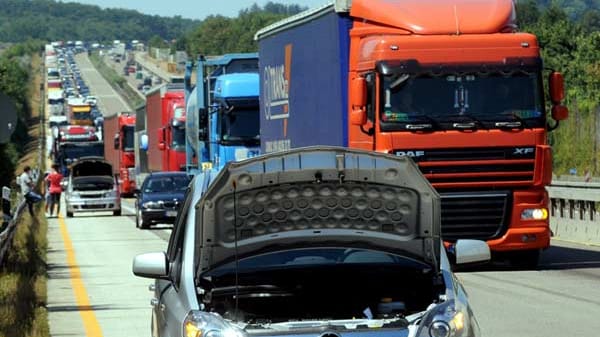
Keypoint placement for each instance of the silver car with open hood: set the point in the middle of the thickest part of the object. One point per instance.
(92, 187)
(310, 242)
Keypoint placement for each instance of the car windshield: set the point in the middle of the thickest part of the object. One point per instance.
(165, 184)
(445, 100)
(241, 125)
(128, 138)
(315, 257)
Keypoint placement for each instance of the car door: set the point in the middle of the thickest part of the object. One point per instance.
(169, 308)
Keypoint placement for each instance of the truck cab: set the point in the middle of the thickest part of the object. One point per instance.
(223, 109)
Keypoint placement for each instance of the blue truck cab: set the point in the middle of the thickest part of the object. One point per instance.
(223, 122)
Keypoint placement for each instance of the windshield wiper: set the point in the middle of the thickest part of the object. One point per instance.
(517, 122)
(474, 121)
(433, 123)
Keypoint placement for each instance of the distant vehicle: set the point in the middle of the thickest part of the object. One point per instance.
(92, 187)
(159, 198)
(91, 100)
(297, 244)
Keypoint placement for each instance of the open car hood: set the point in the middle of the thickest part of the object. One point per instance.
(91, 166)
(318, 197)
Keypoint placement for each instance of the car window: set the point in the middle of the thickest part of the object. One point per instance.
(175, 248)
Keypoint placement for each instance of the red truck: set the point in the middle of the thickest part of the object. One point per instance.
(451, 83)
(118, 149)
(165, 127)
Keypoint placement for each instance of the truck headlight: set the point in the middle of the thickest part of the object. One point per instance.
(204, 324)
(534, 214)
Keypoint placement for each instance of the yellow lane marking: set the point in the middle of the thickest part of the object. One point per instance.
(90, 322)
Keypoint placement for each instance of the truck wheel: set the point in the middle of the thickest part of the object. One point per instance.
(117, 212)
(527, 259)
(69, 214)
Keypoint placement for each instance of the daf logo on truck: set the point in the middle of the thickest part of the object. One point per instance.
(410, 153)
(277, 88)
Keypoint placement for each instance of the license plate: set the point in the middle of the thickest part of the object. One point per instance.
(172, 213)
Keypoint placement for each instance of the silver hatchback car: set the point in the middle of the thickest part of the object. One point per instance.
(312, 242)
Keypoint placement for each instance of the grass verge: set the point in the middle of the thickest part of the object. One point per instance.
(117, 82)
(23, 277)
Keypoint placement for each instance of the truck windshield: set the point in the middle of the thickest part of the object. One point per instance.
(75, 151)
(240, 125)
(128, 138)
(178, 141)
(82, 116)
(486, 100)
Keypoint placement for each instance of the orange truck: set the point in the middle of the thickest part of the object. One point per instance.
(451, 83)
(79, 112)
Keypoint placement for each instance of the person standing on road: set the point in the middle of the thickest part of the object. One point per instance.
(54, 179)
(27, 189)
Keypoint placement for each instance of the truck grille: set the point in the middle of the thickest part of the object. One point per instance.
(476, 167)
(475, 215)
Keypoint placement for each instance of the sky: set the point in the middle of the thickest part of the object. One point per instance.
(197, 10)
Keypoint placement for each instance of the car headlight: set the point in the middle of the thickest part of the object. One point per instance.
(205, 324)
(152, 205)
(444, 320)
(110, 194)
(534, 214)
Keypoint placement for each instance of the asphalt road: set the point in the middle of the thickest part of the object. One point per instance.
(561, 298)
(109, 101)
(93, 293)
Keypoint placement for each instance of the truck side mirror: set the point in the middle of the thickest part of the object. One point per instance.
(557, 87)
(117, 142)
(161, 139)
(358, 100)
(560, 112)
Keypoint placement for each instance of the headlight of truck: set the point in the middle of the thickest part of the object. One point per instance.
(445, 321)
(110, 194)
(534, 214)
(204, 324)
(152, 205)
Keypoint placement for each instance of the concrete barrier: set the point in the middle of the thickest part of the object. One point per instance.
(573, 214)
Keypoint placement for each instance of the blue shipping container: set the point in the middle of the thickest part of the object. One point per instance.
(304, 82)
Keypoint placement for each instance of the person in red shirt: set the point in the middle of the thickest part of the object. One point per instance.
(54, 178)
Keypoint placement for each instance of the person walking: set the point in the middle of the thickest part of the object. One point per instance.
(27, 189)
(54, 179)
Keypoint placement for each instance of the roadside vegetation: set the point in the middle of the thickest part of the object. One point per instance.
(569, 34)
(118, 82)
(56, 20)
(23, 274)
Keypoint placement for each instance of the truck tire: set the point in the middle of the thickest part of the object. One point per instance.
(69, 214)
(525, 260)
(117, 212)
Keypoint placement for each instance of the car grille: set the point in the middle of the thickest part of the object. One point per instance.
(91, 196)
(475, 215)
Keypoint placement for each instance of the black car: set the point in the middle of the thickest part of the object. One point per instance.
(159, 197)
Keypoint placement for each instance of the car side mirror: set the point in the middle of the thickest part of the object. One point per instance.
(151, 265)
(470, 251)
(358, 100)
(137, 192)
